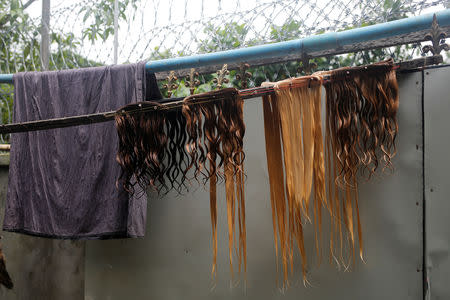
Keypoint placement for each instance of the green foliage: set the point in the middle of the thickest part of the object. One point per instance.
(99, 18)
(20, 50)
(20, 43)
(6, 102)
(230, 36)
(288, 31)
(16, 33)
(158, 54)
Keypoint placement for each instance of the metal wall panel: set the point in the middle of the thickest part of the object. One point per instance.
(173, 261)
(437, 187)
(41, 269)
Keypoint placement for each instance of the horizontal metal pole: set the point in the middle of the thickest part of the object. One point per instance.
(172, 103)
(316, 43)
(313, 44)
(168, 103)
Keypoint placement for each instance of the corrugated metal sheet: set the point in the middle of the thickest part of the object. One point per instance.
(437, 183)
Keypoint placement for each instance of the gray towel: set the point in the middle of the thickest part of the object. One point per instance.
(62, 182)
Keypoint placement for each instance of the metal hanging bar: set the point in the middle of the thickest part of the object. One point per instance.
(314, 46)
(171, 103)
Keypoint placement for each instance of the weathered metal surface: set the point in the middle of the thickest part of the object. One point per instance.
(437, 187)
(221, 77)
(171, 84)
(243, 75)
(173, 261)
(414, 64)
(41, 269)
(306, 66)
(437, 37)
(191, 81)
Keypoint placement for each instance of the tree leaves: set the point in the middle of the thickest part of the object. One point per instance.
(99, 18)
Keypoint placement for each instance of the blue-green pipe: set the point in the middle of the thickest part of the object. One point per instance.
(321, 42)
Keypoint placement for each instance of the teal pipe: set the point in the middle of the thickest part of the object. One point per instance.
(321, 42)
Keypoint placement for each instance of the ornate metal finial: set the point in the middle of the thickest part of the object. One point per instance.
(437, 37)
(221, 79)
(243, 75)
(171, 83)
(191, 81)
(306, 67)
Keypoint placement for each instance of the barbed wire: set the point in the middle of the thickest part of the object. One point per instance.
(81, 36)
(152, 29)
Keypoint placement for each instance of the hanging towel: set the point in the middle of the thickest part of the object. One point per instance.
(63, 182)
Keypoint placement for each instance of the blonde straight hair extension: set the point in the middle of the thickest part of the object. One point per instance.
(293, 119)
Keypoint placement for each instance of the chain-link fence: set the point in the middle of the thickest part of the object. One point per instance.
(81, 33)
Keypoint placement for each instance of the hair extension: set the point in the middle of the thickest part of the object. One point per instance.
(363, 108)
(150, 147)
(216, 129)
(318, 168)
(276, 181)
(176, 154)
(292, 123)
(203, 141)
(361, 125)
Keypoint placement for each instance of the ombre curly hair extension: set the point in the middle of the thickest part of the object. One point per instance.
(216, 129)
(361, 128)
(151, 151)
(362, 103)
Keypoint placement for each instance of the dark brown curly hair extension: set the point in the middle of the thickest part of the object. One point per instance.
(151, 147)
(160, 146)
(216, 129)
(362, 104)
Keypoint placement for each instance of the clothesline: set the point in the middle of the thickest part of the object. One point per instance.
(171, 103)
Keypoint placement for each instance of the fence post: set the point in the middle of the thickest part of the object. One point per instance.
(116, 30)
(45, 37)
